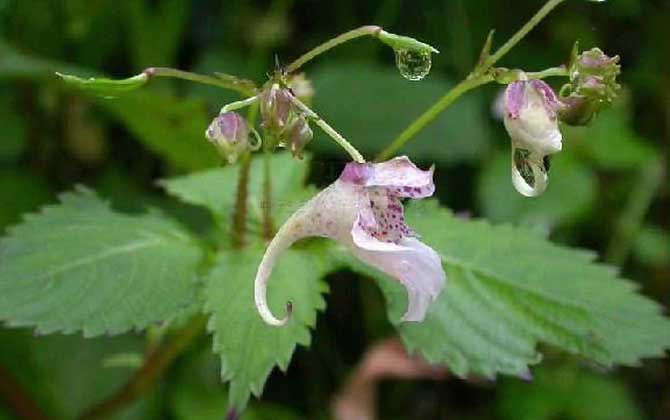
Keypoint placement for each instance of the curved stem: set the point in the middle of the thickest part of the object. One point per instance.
(245, 87)
(238, 104)
(521, 33)
(371, 30)
(353, 152)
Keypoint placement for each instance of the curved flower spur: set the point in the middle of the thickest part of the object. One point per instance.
(363, 211)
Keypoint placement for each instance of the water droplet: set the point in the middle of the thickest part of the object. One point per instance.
(529, 172)
(413, 65)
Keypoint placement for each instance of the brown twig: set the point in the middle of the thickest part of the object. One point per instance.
(240, 212)
(17, 400)
(154, 365)
(266, 205)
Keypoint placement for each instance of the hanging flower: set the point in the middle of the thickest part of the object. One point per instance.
(531, 110)
(363, 211)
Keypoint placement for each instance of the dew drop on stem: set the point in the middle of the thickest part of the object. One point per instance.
(413, 65)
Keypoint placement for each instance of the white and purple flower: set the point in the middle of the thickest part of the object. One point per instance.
(531, 119)
(363, 211)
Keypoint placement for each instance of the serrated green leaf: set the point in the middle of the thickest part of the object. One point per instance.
(215, 189)
(79, 266)
(509, 289)
(248, 347)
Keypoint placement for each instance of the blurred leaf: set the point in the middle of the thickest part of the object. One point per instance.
(12, 136)
(566, 392)
(156, 30)
(108, 88)
(370, 106)
(248, 347)
(568, 177)
(508, 290)
(79, 266)
(215, 189)
(610, 141)
(21, 192)
(14, 65)
(652, 246)
(169, 126)
(63, 373)
(197, 402)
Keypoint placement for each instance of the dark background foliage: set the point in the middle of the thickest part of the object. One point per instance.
(608, 192)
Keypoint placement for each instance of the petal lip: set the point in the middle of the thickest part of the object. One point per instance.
(356, 173)
(404, 177)
(416, 266)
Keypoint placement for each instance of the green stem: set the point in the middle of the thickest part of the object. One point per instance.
(520, 34)
(628, 225)
(153, 367)
(244, 87)
(430, 114)
(238, 104)
(368, 30)
(477, 78)
(559, 71)
(353, 152)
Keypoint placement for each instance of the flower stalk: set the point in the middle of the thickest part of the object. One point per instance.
(348, 147)
(480, 76)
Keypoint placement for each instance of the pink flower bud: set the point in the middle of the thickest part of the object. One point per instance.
(229, 133)
(276, 108)
(298, 134)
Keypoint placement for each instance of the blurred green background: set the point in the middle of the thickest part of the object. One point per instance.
(608, 191)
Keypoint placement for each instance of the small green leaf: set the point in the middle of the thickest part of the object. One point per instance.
(486, 49)
(105, 87)
(79, 266)
(401, 42)
(508, 290)
(248, 347)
